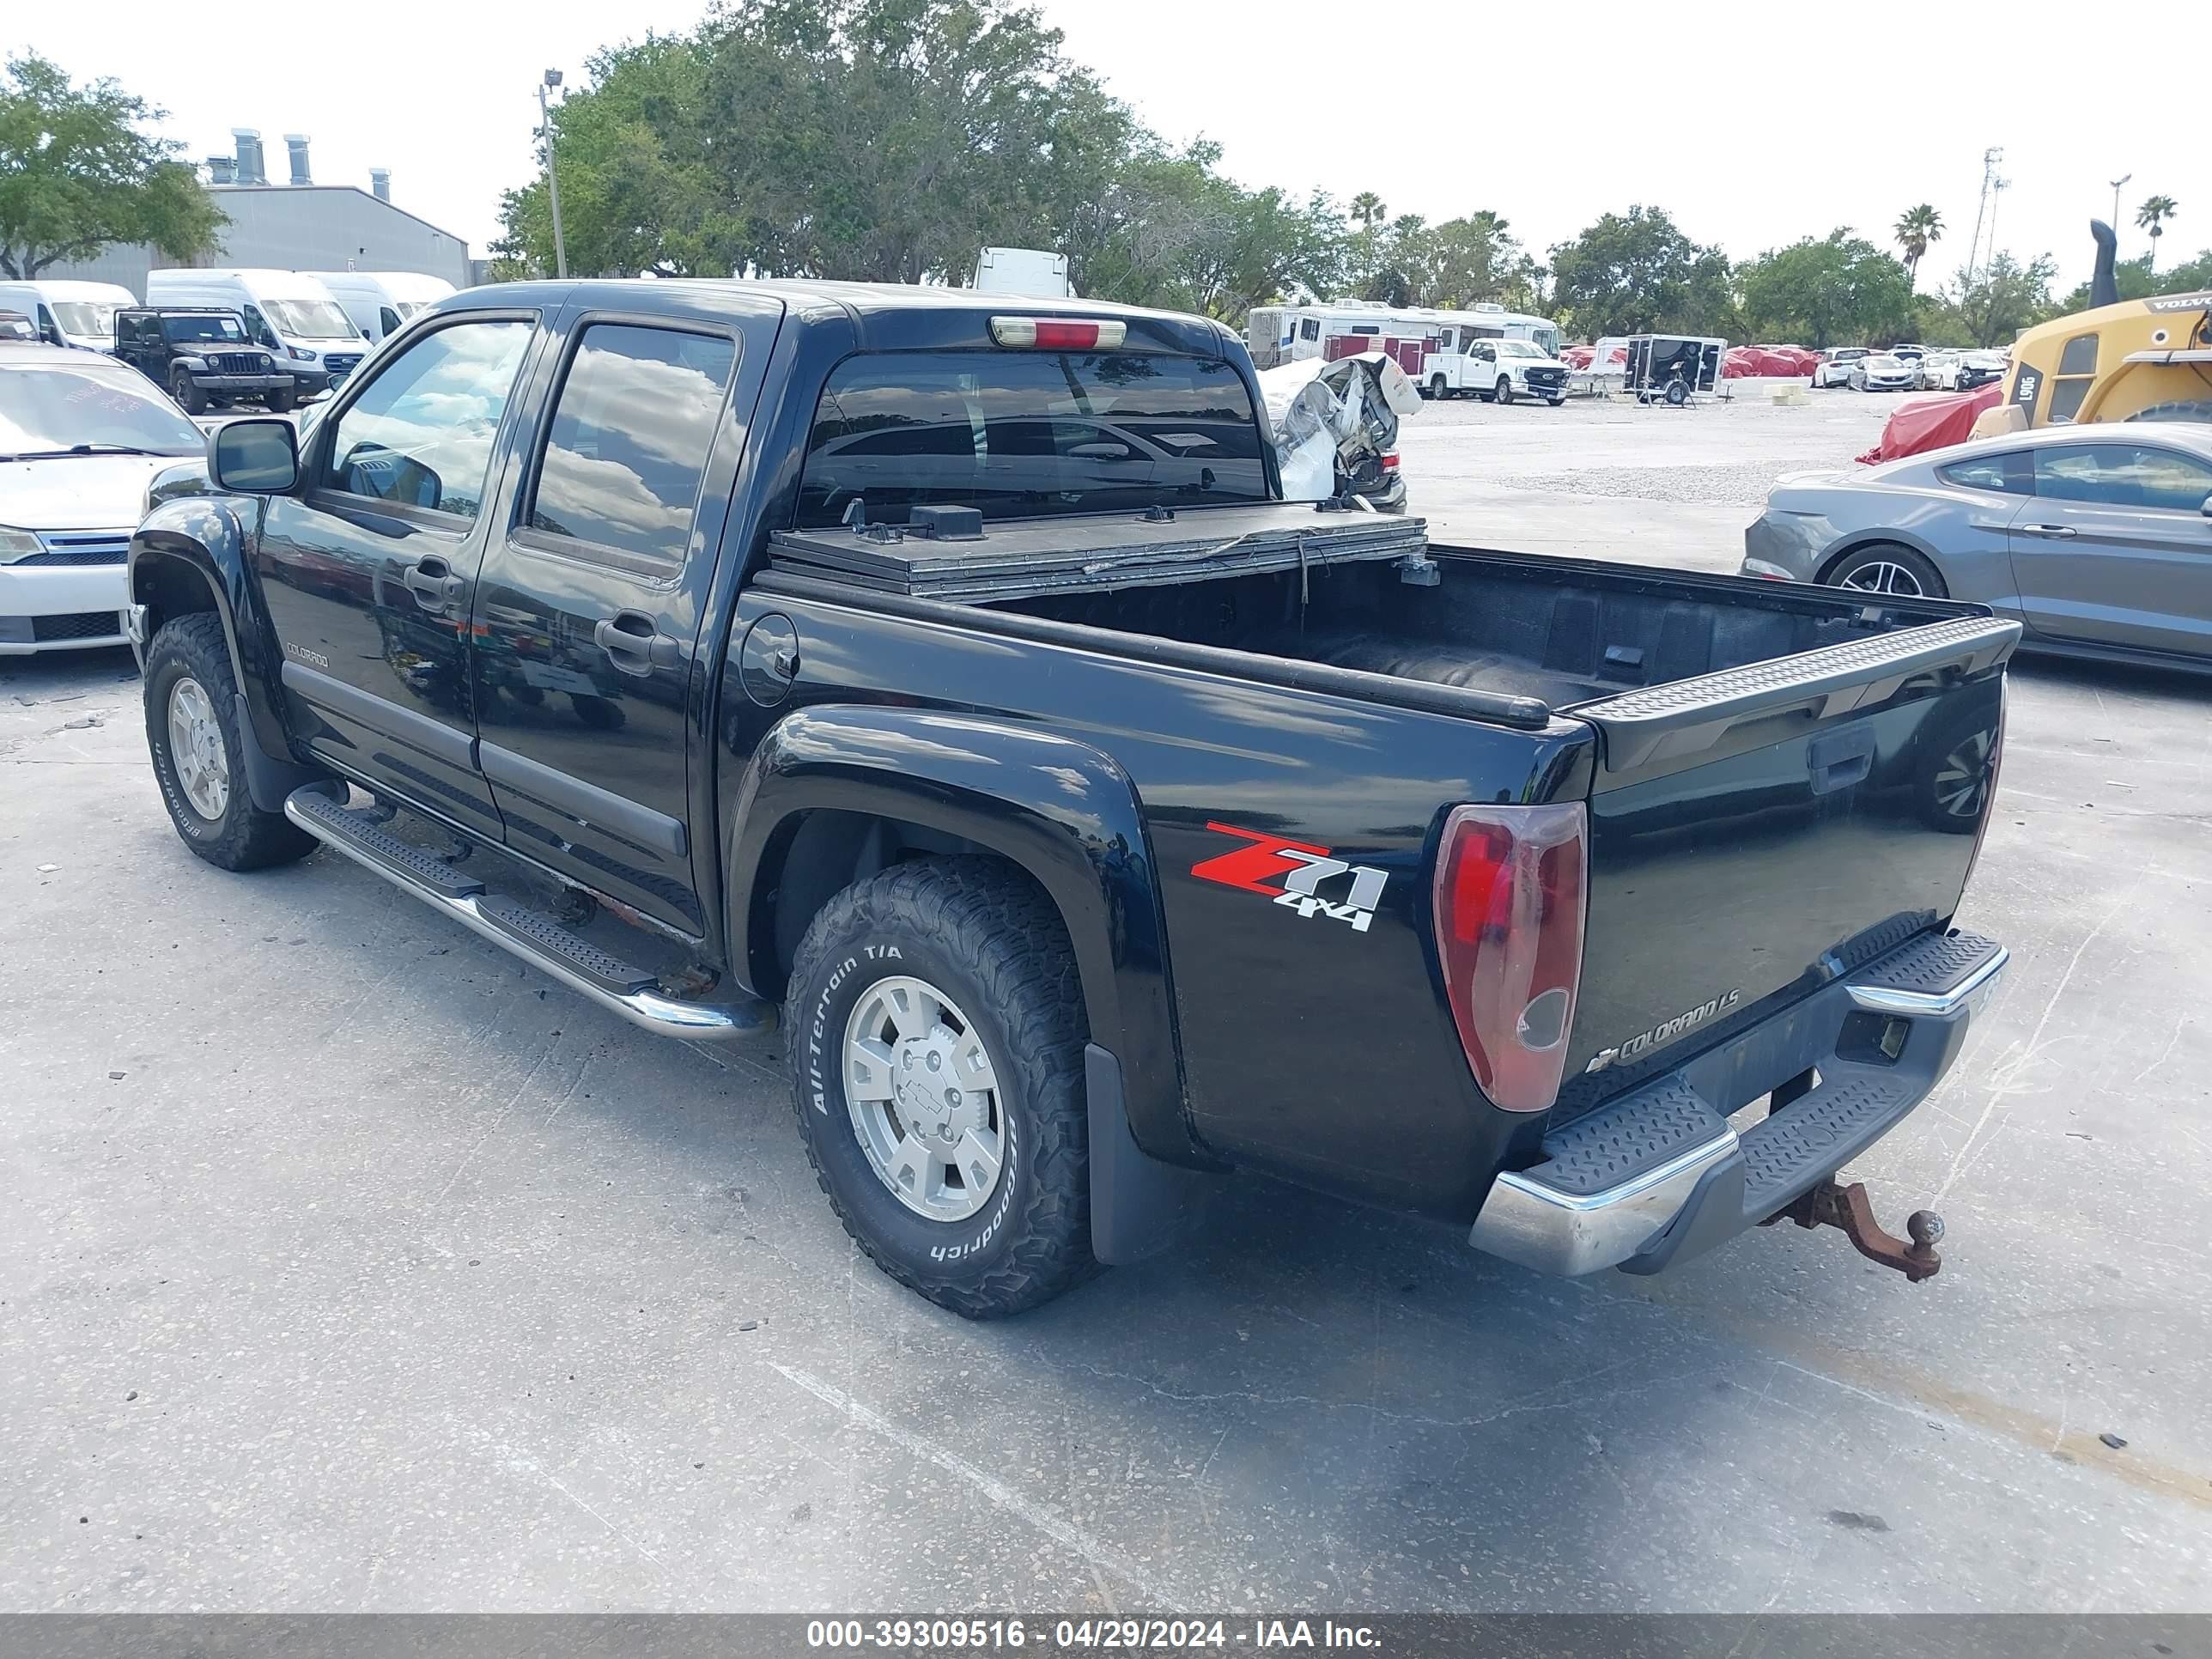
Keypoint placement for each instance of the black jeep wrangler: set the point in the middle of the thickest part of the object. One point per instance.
(201, 357)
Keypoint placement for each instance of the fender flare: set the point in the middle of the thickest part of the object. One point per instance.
(1063, 811)
(207, 534)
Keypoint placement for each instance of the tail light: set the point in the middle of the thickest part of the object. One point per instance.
(1390, 462)
(1509, 914)
(1058, 334)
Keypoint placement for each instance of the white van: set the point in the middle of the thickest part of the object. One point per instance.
(289, 311)
(378, 302)
(69, 313)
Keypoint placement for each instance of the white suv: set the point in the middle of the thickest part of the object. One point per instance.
(1835, 367)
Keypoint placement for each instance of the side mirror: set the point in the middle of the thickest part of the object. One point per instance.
(254, 457)
(2206, 508)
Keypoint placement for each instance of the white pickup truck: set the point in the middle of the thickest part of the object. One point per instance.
(1499, 370)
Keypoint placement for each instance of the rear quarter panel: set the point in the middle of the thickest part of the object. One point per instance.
(1311, 1045)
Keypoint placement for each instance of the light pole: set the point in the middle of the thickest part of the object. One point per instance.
(2117, 183)
(552, 178)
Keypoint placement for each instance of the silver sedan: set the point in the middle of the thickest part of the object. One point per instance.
(2098, 538)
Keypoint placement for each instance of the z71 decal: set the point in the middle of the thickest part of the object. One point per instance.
(1302, 870)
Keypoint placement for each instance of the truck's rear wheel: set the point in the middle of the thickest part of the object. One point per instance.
(192, 727)
(1438, 389)
(936, 1028)
(2188, 410)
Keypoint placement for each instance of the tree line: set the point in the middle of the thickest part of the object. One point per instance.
(892, 140)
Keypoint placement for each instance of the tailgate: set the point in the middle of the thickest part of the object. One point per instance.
(1756, 832)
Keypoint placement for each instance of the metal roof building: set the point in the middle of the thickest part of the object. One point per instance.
(297, 226)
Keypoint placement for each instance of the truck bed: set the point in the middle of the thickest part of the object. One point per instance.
(1562, 632)
(1764, 809)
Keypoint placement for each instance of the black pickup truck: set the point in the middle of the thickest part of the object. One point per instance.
(937, 678)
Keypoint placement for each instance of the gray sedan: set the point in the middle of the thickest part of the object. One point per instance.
(2098, 538)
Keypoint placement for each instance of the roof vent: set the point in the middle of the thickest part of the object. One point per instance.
(379, 183)
(223, 169)
(296, 142)
(248, 144)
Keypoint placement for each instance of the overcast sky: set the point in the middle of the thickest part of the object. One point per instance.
(1753, 126)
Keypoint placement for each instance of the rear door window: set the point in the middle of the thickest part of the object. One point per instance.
(1029, 434)
(632, 426)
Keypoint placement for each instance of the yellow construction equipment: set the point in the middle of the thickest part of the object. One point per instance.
(2121, 360)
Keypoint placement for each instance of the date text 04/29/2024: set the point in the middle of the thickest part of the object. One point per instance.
(954, 1634)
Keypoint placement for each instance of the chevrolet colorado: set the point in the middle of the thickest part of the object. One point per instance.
(940, 680)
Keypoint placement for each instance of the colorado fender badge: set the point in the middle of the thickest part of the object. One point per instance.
(1290, 873)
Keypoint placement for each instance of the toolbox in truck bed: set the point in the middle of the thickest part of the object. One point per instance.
(1025, 558)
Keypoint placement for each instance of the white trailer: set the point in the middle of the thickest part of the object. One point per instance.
(1408, 334)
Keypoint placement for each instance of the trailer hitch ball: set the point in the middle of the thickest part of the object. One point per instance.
(1847, 1209)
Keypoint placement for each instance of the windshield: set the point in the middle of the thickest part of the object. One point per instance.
(46, 409)
(407, 308)
(1519, 348)
(221, 326)
(1028, 433)
(85, 317)
(310, 319)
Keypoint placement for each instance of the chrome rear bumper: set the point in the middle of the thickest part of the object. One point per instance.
(1660, 1175)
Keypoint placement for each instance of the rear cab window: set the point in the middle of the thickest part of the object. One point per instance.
(1029, 435)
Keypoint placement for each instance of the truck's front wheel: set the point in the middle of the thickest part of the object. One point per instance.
(936, 1028)
(192, 729)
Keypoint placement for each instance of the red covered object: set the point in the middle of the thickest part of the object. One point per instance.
(1577, 356)
(1766, 362)
(1921, 424)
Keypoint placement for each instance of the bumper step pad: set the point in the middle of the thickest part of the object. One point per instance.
(1660, 1175)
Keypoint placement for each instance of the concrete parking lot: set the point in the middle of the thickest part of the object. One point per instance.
(348, 1264)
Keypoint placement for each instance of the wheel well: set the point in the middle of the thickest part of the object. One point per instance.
(168, 588)
(815, 856)
(1834, 561)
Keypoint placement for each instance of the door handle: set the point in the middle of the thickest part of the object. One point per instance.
(636, 645)
(2058, 532)
(433, 583)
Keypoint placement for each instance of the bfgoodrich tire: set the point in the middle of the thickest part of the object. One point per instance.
(982, 1205)
(199, 754)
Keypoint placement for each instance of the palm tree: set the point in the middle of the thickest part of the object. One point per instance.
(1917, 228)
(1367, 207)
(2152, 216)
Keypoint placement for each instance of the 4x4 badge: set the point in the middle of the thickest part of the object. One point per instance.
(1302, 869)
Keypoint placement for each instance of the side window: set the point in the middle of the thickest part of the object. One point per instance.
(421, 434)
(387, 321)
(1308, 329)
(2123, 475)
(632, 426)
(2080, 357)
(2077, 373)
(257, 327)
(2009, 473)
